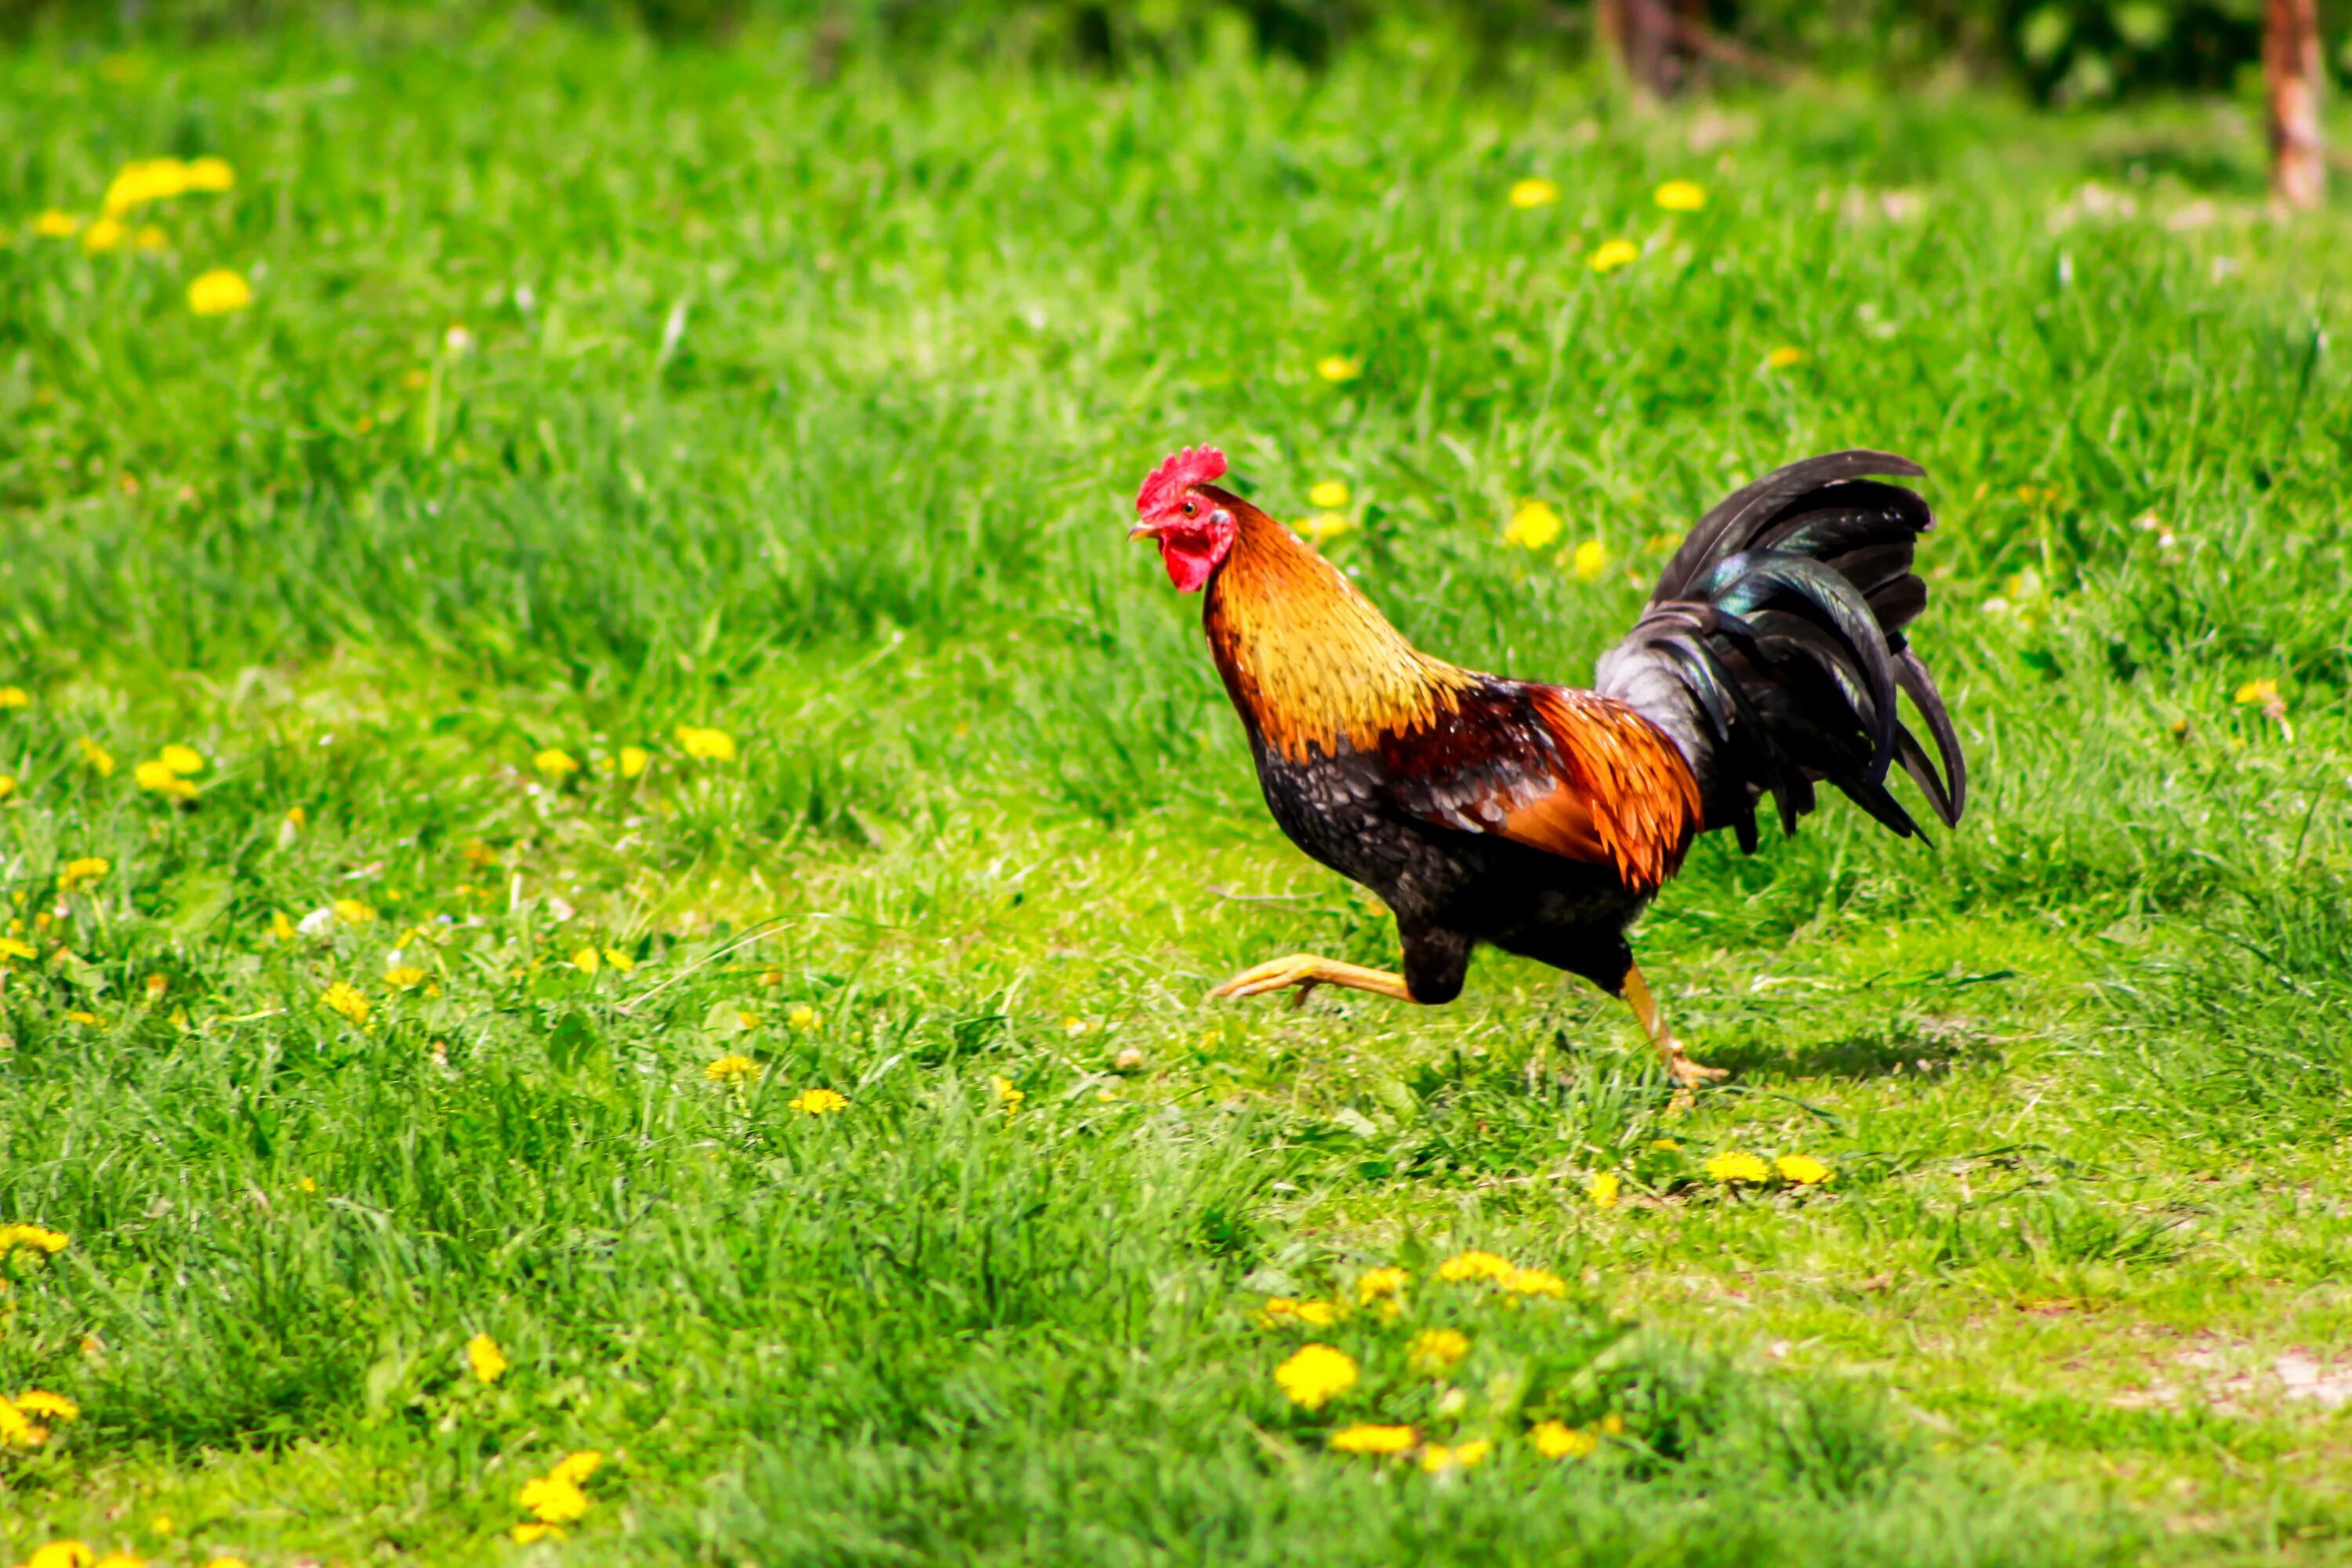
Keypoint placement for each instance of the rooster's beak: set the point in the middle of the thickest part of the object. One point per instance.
(1144, 530)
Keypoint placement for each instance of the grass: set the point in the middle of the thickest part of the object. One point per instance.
(812, 413)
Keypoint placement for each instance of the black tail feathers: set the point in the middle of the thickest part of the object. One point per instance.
(1773, 649)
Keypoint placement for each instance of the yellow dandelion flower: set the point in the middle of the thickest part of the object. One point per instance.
(1784, 357)
(1533, 526)
(1380, 1284)
(352, 912)
(1591, 559)
(707, 745)
(1330, 495)
(635, 760)
(86, 1019)
(1679, 196)
(107, 234)
(1475, 1266)
(1339, 368)
(220, 292)
(1317, 1314)
(11, 948)
(1009, 1094)
(227, 1563)
(525, 1534)
(552, 1500)
(2258, 693)
(307, 1184)
(61, 1554)
(587, 961)
(555, 763)
(1437, 1458)
(485, 1360)
(1316, 1374)
(210, 173)
(1735, 1165)
(35, 1238)
(156, 985)
(731, 1068)
(745, 1016)
(1534, 1282)
(1326, 525)
(818, 1101)
(345, 999)
(575, 1469)
(7, 785)
(804, 1018)
(16, 1428)
(181, 759)
(157, 777)
(1802, 1169)
(1372, 1439)
(403, 977)
(41, 1402)
(15, 696)
(161, 1524)
(151, 237)
(1665, 1143)
(82, 872)
(1556, 1441)
(281, 926)
(100, 760)
(1602, 1190)
(1436, 1351)
(145, 180)
(1610, 255)
(55, 225)
(619, 960)
(1534, 192)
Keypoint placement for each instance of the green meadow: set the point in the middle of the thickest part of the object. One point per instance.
(642, 576)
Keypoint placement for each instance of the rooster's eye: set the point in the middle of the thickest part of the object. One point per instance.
(1190, 508)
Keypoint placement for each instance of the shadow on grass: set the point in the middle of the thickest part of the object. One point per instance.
(1854, 1057)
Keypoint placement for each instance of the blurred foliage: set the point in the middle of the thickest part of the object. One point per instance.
(2062, 51)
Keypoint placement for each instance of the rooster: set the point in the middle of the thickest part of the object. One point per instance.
(1542, 819)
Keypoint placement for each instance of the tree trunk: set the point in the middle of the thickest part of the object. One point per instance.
(2290, 71)
(1645, 38)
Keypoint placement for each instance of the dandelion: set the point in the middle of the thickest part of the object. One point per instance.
(1665, 1143)
(145, 180)
(555, 763)
(732, 1067)
(1534, 192)
(1610, 255)
(1316, 1374)
(818, 1101)
(1737, 1166)
(55, 1406)
(55, 225)
(1679, 196)
(707, 745)
(1007, 1093)
(1437, 1458)
(210, 173)
(1591, 559)
(1339, 368)
(352, 913)
(181, 759)
(485, 1360)
(82, 872)
(156, 777)
(2257, 694)
(107, 234)
(1436, 1351)
(1372, 1439)
(577, 1467)
(344, 999)
(1533, 526)
(88, 1020)
(17, 1429)
(1380, 1285)
(1316, 1314)
(11, 948)
(1556, 1441)
(156, 985)
(1602, 1190)
(33, 1237)
(804, 1018)
(553, 1500)
(151, 237)
(1330, 495)
(227, 1563)
(403, 977)
(100, 760)
(1475, 1266)
(280, 928)
(525, 1534)
(619, 960)
(1784, 357)
(1326, 525)
(220, 292)
(1534, 1282)
(61, 1554)
(1802, 1169)
(15, 696)
(633, 761)
(587, 961)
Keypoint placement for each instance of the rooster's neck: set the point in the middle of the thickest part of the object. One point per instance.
(1312, 666)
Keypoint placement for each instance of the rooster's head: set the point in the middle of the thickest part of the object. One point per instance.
(1186, 516)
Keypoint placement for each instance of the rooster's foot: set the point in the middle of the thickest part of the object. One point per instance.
(1306, 972)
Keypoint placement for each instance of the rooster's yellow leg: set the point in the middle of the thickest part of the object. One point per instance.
(1680, 1068)
(1306, 972)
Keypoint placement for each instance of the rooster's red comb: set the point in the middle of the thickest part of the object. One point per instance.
(1192, 466)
